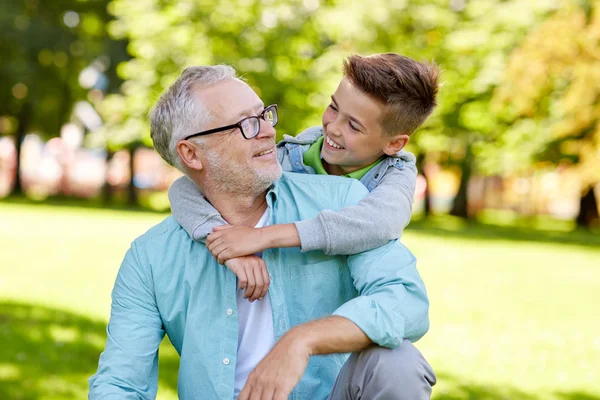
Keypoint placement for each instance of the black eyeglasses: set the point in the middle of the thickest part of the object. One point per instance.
(249, 126)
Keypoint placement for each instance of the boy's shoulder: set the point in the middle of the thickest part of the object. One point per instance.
(307, 136)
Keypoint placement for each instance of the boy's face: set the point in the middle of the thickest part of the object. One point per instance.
(353, 135)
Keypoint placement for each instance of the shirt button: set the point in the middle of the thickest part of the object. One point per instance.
(226, 361)
(229, 311)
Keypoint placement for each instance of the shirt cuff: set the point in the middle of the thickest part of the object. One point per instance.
(203, 229)
(373, 321)
(312, 235)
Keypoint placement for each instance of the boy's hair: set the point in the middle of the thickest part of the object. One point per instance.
(406, 87)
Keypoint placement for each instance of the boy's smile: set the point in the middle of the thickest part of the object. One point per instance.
(332, 144)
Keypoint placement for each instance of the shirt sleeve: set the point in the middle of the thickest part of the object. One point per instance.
(128, 367)
(392, 302)
(191, 209)
(375, 220)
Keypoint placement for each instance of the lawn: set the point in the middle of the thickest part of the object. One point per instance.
(514, 312)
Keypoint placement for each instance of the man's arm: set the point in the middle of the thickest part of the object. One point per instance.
(392, 305)
(128, 367)
(278, 373)
(392, 302)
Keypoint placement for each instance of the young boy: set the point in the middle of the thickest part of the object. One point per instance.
(381, 100)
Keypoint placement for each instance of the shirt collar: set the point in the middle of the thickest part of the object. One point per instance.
(272, 193)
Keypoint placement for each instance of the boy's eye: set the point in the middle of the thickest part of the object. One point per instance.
(332, 107)
(354, 128)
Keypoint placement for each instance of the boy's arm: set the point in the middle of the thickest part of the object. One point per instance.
(374, 221)
(378, 218)
(191, 210)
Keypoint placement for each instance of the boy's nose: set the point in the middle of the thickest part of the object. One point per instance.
(334, 128)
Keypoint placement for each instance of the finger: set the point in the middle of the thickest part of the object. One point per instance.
(242, 279)
(210, 238)
(217, 250)
(251, 282)
(258, 393)
(212, 242)
(222, 227)
(260, 283)
(245, 393)
(222, 257)
(262, 269)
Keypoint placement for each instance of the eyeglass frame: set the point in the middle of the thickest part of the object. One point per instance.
(239, 124)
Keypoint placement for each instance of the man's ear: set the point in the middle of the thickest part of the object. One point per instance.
(189, 154)
(395, 143)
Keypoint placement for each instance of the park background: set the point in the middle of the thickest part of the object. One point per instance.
(505, 226)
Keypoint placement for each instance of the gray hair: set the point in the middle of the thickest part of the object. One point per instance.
(179, 113)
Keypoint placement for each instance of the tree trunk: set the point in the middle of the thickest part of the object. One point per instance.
(460, 207)
(132, 198)
(23, 125)
(427, 200)
(107, 189)
(588, 210)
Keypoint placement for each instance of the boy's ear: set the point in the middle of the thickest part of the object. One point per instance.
(395, 143)
(189, 154)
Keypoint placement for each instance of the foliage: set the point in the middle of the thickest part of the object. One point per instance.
(549, 93)
(44, 46)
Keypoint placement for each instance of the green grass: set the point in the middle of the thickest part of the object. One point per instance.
(514, 311)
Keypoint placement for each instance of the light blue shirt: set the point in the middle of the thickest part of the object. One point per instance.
(170, 284)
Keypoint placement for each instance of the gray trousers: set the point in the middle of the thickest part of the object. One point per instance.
(377, 373)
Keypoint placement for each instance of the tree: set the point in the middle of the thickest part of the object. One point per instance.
(549, 90)
(290, 51)
(44, 47)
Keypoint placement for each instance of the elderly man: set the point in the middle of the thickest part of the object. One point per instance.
(295, 342)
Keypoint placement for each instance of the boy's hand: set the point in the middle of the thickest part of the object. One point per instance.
(252, 275)
(229, 241)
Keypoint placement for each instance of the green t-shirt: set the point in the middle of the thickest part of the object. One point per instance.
(312, 158)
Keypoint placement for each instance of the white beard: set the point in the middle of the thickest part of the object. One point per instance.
(228, 177)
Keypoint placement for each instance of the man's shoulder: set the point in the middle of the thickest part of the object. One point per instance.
(156, 235)
(326, 188)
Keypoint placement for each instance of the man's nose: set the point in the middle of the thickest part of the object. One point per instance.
(266, 129)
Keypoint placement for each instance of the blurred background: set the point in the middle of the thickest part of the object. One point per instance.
(505, 225)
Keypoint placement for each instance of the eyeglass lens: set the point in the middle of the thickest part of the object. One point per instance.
(251, 126)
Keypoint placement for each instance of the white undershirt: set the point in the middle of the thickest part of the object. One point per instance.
(255, 338)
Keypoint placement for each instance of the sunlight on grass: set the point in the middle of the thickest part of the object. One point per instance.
(513, 312)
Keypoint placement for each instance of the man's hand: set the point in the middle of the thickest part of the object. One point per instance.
(279, 372)
(252, 275)
(228, 241)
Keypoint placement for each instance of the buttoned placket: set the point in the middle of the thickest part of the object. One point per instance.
(229, 336)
